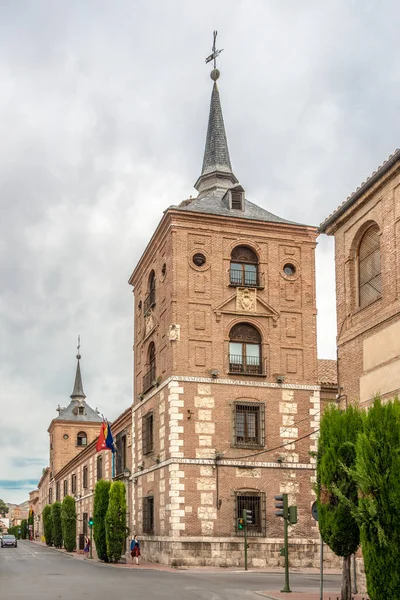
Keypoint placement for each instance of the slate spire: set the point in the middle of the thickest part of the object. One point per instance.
(217, 168)
(78, 393)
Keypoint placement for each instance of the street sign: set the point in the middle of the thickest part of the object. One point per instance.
(314, 511)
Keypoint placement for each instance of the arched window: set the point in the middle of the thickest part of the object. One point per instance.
(244, 349)
(150, 378)
(81, 439)
(244, 267)
(99, 467)
(369, 267)
(151, 294)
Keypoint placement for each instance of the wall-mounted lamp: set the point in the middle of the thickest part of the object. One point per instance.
(280, 379)
(126, 473)
(141, 466)
(135, 480)
(214, 373)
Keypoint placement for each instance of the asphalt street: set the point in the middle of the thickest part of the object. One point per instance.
(33, 572)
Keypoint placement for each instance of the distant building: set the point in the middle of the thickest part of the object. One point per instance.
(366, 229)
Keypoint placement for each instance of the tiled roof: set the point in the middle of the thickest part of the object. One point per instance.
(212, 204)
(327, 371)
(375, 176)
(216, 154)
(71, 413)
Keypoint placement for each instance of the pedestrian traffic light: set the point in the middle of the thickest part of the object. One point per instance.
(281, 504)
(249, 517)
(90, 522)
(240, 524)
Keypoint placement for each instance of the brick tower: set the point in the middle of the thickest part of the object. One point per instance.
(226, 401)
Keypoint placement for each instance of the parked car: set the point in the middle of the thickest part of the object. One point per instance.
(8, 540)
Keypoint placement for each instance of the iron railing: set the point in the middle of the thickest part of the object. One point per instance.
(149, 301)
(149, 379)
(250, 365)
(240, 278)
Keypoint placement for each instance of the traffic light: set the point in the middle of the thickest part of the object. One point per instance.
(240, 524)
(281, 504)
(90, 522)
(293, 515)
(249, 517)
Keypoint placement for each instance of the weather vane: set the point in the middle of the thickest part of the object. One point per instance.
(215, 52)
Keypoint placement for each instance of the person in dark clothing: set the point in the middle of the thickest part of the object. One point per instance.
(135, 549)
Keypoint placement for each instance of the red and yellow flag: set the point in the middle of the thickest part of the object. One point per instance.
(101, 442)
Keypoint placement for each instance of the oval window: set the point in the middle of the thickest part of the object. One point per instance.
(199, 259)
(289, 269)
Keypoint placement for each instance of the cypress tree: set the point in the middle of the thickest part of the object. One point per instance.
(47, 525)
(56, 524)
(337, 494)
(24, 528)
(116, 521)
(378, 472)
(68, 520)
(100, 505)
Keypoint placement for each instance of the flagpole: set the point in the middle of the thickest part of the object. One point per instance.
(113, 465)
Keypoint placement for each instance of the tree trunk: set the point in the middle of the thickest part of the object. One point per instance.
(346, 579)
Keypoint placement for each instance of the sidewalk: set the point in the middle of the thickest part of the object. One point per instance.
(307, 596)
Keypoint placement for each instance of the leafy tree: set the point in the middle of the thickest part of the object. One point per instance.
(24, 529)
(3, 508)
(377, 472)
(31, 522)
(100, 505)
(57, 524)
(116, 521)
(47, 525)
(336, 489)
(13, 531)
(68, 520)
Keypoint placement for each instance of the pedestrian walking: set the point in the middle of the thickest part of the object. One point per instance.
(135, 549)
(87, 546)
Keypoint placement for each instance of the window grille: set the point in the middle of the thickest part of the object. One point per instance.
(245, 350)
(150, 300)
(149, 378)
(148, 514)
(99, 466)
(254, 501)
(81, 439)
(58, 491)
(120, 462)
(85, 477)
(84, 523)
(369, 267)
(65, 487)
(148, 433)
(249, 424)
(244, 267)
(73, 483)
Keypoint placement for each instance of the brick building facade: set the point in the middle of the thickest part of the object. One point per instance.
(367, 258)
(226, 393)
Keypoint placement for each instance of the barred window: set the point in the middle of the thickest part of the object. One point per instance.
(148, 514)
(99, 466)
(369, 267)
(65, 487)
(85, 477)
(57, 491)
(249, 424)
(81, 439)
(148, 433)
(73, 483)
(254, 502)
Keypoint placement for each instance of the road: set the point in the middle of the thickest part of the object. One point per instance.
(33, 572)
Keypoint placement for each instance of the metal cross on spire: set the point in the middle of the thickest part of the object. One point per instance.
(78, 347)
(215, 52)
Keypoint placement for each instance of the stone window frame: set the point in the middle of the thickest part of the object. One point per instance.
(85, 477)
(99, 467)
(255, 501)
(148, 513)
(148, 433)
(252, 407)
(73, 483)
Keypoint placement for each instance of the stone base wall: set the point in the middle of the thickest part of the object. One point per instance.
(229, 552)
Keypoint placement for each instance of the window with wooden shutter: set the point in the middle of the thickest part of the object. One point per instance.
(369, 267)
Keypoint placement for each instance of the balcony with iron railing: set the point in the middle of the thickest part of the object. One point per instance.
(149, 301)
(245, 365)
(240, 278)
(149, 379)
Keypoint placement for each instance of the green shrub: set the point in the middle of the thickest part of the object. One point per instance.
(68, 520)
(100, 505)
(24, 529)
(116, 521)
(57, 524)
(47, 525)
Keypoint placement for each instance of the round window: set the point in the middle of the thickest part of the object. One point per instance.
(65, 436)
(289, 270)
(199, 259)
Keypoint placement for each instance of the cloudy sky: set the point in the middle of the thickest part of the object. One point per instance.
(103, 115)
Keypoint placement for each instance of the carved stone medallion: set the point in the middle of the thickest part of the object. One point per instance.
(246, 300)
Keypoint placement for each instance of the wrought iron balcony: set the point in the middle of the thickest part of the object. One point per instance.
(240, 278)
(149, 379)
(149, 301)
(248, 365)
